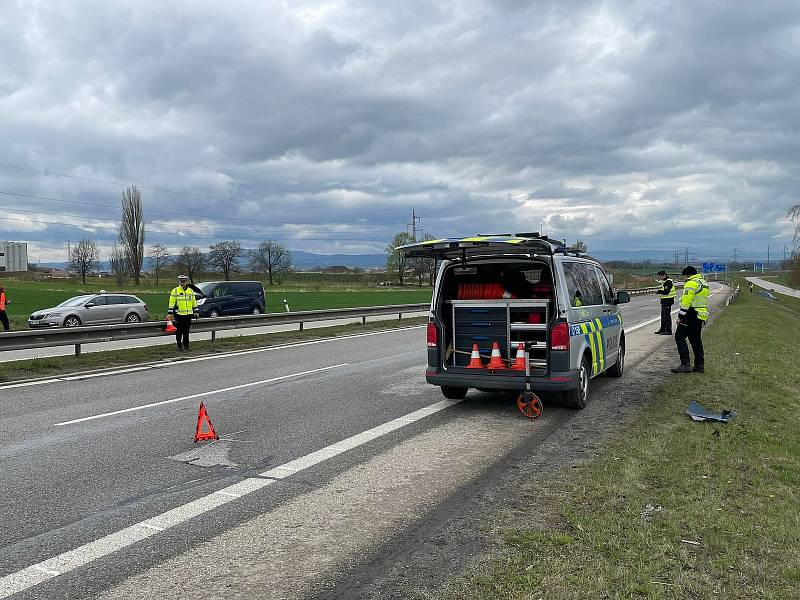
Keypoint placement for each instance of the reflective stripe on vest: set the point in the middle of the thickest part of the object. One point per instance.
(695, 295)
(182, 302)
(673, 291)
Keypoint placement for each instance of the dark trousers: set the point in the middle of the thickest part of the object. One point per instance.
(692, 328)
(182, 323)
(666, 317)
(4, 320)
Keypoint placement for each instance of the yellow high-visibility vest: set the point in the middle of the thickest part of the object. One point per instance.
(695, 295)
(673, 291)
(182, 301)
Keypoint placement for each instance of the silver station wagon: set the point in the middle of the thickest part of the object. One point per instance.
(91, 309)
(496, 295)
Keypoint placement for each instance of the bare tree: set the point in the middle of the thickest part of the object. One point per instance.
(131, 230)
(120, 265)
(85, 258)
(270, 259)
(396, 263)
(794, 215)
(159, 256)
(190, 261)
(225, 256)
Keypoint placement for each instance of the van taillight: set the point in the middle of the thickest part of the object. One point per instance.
(559, 337)
(433, 336)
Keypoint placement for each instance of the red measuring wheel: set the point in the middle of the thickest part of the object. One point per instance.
(531, 407)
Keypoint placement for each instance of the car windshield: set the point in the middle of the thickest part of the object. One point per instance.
(76, 301)
(206, 288)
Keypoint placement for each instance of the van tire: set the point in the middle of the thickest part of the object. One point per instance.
(213, 313)
(579, 397)
(256, 310)
(618, 368)
(454, 393)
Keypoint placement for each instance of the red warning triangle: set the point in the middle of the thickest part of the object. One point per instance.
(200, 435)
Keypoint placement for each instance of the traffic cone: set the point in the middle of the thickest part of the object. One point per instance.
(170, 327)
(496, 361)
(519, 361)
(475, 360)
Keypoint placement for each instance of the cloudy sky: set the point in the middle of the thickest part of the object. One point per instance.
(633, 125)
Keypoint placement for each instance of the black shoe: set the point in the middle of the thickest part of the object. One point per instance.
(180, 348)
(666, 333)
(699, 369)
(683, 369)
(659, 332)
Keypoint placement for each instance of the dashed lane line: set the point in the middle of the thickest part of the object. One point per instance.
(200, 395)
(76, 558)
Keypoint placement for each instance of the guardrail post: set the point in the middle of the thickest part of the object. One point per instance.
(363, 320)
(301, 326)
(400, 316)
(77, 349)
(213, 335)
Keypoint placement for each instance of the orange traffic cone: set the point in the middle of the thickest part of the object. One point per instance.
(496, 361)
(475, 360)
(519, 362)
(170, 327)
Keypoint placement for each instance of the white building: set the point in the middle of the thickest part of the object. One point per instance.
(13, 256)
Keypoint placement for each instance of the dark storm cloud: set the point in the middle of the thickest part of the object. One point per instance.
(629, 124)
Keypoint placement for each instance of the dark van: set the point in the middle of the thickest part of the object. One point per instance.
(231, 298)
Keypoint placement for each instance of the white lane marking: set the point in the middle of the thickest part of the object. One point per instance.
(28, 383)
(200, 395)
(210, 357)
(69, 561)
(657, 319)
(90, 375)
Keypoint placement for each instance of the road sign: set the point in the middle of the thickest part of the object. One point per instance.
(709, 267)
(720, 268)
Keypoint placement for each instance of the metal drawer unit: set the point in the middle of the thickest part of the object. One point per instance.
(485, 321)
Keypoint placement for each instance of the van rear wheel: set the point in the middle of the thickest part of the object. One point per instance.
(454, 393)
(579, 397)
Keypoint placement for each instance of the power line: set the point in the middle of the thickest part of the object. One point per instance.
(183, 214)
(141, 187)
(192, 236)
(188, 225)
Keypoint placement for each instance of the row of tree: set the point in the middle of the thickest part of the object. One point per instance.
(397, 265)
(269, 260)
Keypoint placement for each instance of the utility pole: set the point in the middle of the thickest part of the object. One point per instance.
(413, 224)
(767, 256)
(687, 255)
(735, 252)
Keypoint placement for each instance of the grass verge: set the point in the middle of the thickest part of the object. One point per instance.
(675, 508)
(62, 365)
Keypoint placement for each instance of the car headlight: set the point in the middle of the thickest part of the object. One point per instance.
(201, 301)
(55, 314)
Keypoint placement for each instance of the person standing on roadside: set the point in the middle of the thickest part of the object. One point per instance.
(3, 302)
(692, 316)
(668, 292)
(182, 307)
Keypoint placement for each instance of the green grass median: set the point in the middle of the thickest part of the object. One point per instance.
(674, 508)
(61, 365)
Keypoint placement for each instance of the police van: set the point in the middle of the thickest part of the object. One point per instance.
(500, 294)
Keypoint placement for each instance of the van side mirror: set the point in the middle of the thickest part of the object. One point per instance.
(89, 305)
(622, 297)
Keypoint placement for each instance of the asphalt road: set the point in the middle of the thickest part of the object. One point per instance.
(327, 450)
(775, 287)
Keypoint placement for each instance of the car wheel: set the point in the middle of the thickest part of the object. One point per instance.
(579, 397)
(132, 318)
(454, 393)
(72, 321)
(618, 367)
(213, 313)
(256, 310)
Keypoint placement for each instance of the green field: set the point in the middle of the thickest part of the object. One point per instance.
(673, 508)
(29, 296)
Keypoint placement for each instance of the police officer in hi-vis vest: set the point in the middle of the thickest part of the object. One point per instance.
(182, 307)
(691, 318)
(667, 292)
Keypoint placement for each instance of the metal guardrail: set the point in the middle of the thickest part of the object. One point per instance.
(76, 336)
(93, 334)
(733, 296)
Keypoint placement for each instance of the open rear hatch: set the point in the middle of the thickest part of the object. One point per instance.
(486, 245)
